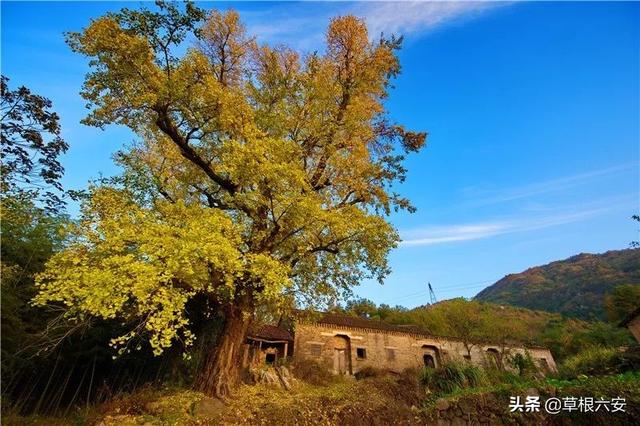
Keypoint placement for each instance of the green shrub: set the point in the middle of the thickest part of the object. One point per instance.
(452, 377)
(311, 372)
(499, 376)
(426, 376)
(523, 363)
(475, 375)
(625, 386)
(367, 372)
(595, 361)
(283, 362)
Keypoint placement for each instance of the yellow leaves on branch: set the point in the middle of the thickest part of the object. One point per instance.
(148, 262)
(129, 58)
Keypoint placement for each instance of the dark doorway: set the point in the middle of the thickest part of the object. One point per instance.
(429, 362)
(431, 356)
(270, 359)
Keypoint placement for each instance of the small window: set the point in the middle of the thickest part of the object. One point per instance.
(316, 349)
(391, 354)
(270, 359)
(361, 353)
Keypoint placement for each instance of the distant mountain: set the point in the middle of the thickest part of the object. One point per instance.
(574, 287)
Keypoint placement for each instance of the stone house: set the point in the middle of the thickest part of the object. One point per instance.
(266, 345)
(347, 344)
(632, 322)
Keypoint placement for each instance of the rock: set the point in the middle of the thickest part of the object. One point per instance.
(271, 378)
(442, 404)
(458, 421)
(267, 376)
(208, 407)
(285, 377)
(286, 383)
(532, 392)
(276, 377)
(466, 406)
(284, 371)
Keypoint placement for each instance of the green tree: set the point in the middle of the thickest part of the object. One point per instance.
(362, 307)
(261, 179)
(31, 145)
(623, 300)
(30, 236)
(30, 214)
(467, 321)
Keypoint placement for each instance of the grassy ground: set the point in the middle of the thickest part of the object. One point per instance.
(490, 402)
(378, 399)
(370, 401)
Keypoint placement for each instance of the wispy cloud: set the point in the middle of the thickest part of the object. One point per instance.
(304, 27)
(475, 231)
(415, 17)
(452, 233)
(486, 197)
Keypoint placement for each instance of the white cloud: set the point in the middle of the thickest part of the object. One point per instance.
(411, 17)
(475, 231)
(453, 233)
(303, 25)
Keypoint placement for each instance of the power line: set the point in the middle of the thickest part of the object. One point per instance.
(418, 294)
(423, 294)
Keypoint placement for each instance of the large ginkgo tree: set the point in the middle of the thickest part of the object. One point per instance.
(261, 179)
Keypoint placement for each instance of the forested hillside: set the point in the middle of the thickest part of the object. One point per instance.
(575, 287)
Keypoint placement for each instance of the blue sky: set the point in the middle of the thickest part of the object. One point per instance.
(532, 109)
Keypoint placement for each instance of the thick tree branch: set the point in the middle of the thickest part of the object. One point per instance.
(166, 125)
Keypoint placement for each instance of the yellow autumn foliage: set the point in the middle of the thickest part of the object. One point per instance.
(261, 177)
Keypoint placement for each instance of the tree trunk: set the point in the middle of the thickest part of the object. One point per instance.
(221, 371)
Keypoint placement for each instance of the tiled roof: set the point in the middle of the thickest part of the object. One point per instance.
(359, 322)
(270, 332)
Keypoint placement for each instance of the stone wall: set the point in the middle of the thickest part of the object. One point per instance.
(634, 327)
(484, 409)
(348, 350)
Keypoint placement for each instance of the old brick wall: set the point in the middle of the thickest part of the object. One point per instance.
(390, 350)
